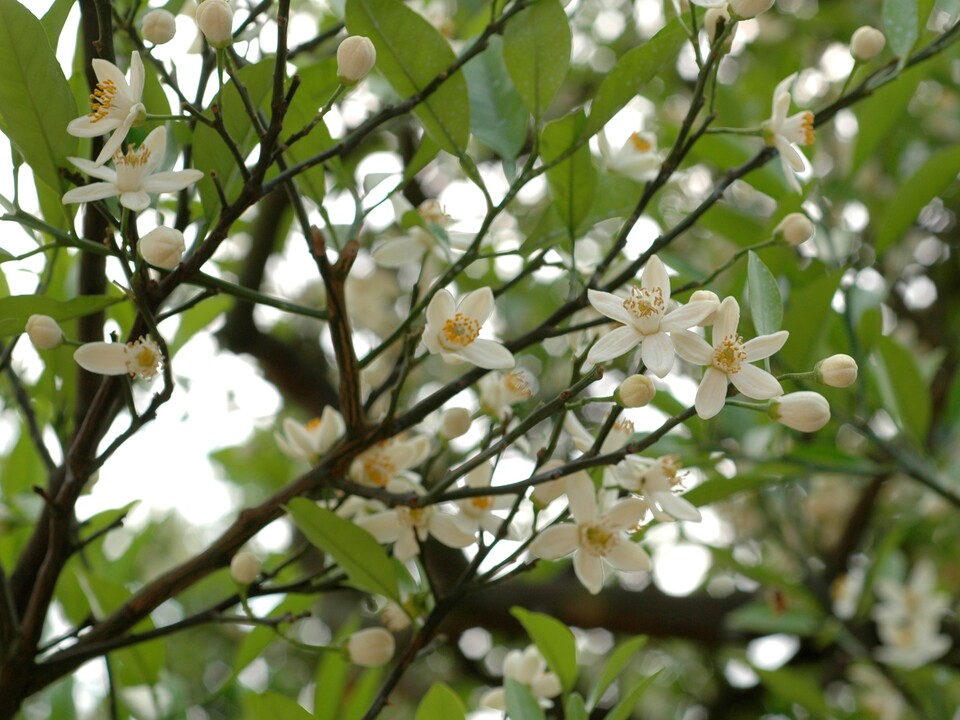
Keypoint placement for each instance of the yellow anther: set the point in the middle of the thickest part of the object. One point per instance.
(102, 99)
(517, 384)
(729, 355)
(596, 540)
(461, 330)
(644, 302)
(807, 125)
(641, 143)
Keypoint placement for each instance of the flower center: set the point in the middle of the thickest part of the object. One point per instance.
(483, 503)
(413, 517)
(597, 540)
(517, 384)
(641, 143)
(143, 358)
(729, 355)
(624, 427)
(130, 168)
(313, 424)
(379, 468)
(806, 126)
(101, 100)
(644, 302)
(461, 330)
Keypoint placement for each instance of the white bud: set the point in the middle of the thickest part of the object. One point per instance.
(837, 371)
(804, 411)
(371, 647)
(714, 21)
(795, 228)
(866, 43)
(706, 296)
(356, 57)
(636, 391)
(44, 332)
(394, 617)
(215, 20)
(455, 422)
(158, 26)
(750, 8)
(162, 246)
(244, 567)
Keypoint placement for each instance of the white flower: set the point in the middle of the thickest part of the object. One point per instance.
(162, 247)
(135, 176)
(529, 668)
(453, 330)
(136, 359)
(371, 647)
(635, 391)
(476, 513)
(215, 20)
(597, 536)
(394, 617)
(866, 43)
(356, 56)
(729, 361)
(784, 133)
(646, 320)
(795, 228)
(714, 21)
(655, 480)
(114, 105)
(804, 411)
(158, 26)
(388, 460)
(745, 9)
(500, 391)
(455, 422)
(620, 434)
(312, 441)
(410, 248)
(44, 332)
(244, 567)
(637, 158)
(407, 527)
(837, 371)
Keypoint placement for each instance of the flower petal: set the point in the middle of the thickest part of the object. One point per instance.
(445, 529)
(589, 570)
(711, 394)
(582, 498)
(687, 315)
(555, 542)
(756, 383)
(89, 193)
(728, 318)
(657, 353)
(135, 201)
(628, 557)
(791, 156)
(624, 514)
(609, 305)
(655, 277)
(677, 507)
(102, 358)
(84, 126)
(487, 354)
(406, 546)
(171, 180)
(116, 140)
(136, 76)
(477, 304)
(93, 170)
(441, 308)
(384, 526)
(691, 347)
(614, 344)
(106, 71)
(763, 346)
(397, 252)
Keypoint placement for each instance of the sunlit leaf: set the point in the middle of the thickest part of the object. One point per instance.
(271, 706)
(573, 181)
(536, 49)
(900, 25)
(497, 114)
(617, 661)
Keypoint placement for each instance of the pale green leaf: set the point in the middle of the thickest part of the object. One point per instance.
(356, 551)
(900, 25)
(796, 687)
(521, 704)
(497, 113)
(574, 708)
(536, 50)
(572, 182)
(766, 305)
(555, 642)
(623, 710)
(440, 703)
(906, 385)
(15, 310)
(271, 706)
(618, 660)
(410, 54)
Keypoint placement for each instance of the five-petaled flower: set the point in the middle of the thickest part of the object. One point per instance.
(655, 480)
(729, 360)
(784, 132)
(114, 105)
(637, 159)
(453, 330)
(312, 440)
(135, 177)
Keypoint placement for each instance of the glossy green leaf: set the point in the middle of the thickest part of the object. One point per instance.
(635, 69)
(271, 706)
(879, 115)
(808, 317)
(54, 18)
(333, 672)
(623, 710)
(356, 551)
(572, 182)
(361, 694)
(796, 687)
(260, 638)
(536, 50)
(900, 25)
(766, 305)
(426, 152)
(521, 704)
(617, 661)
(440, 703)
(555, 642)
(574, 708)
(35, 99)
(933, 177)
(497, 113)
(909, 390)
(16, 309)
(410, 54)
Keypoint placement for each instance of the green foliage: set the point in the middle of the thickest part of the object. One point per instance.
(271, 706)
(624, 709)
(497, 114)
(900, 25)
(797, 687)
(619, 659)
(15, 310)
(555, 642)
(573, 181)
(766, 305)
(440, 703)
(903, 388)
(521, 704)
(536, 50)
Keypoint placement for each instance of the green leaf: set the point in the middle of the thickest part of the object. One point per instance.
(796, 687)
(536, 50)
(910, 395)
(333, 672)
(497, 114)
(807, 318)
(900, 25)
(261, 637)
(355, 550)
(35, 100)
(615, 665)
(634, 70)
(441, 703)
(623, 710)
(521, 704)
(361, 694)
(574, 708)
(15, 310)
(410, 54)
(879, 115)
(54, 18)
(271, 706)
(766, 305)
(573, 182)
(555, 642)
(933, 177)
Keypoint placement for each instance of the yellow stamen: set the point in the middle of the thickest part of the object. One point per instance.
(517, 384)
(596, 540)
(641, 143)
(807, 125)
(102, 99)
(644, 302)
(482, 503)
(313, 424)
(132, 157)
(729, 355)
(461, 330)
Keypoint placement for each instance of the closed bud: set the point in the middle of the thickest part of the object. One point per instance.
(455, 422)
(710, 297)
(636, 391)
(44, 332)
(245, 566)
(837, 371)
(745, 9)
(158, 26)
(804, 411)
(162, 246)
(356, 57)
(215, 20)
(394, 617)
(715, 21)
(371, 647)
(794, 229)
(867, 42)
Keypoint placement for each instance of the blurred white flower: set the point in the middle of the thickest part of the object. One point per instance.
(244, 567)
(312, 440)
(141, 358)
(44, 332)
(528, 668)
(785, 133)
(636, 159)
(370, 647)
(500, 391)
(389, 460)
(476, 513)
(654, 480)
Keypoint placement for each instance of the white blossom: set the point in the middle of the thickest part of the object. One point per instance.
(837, 371)
(162, 247)
(312, 440)
(654, 480)
(476, 513)
(390, 459)
(370, 647)
(44, 332)
(158, 26)
(244, 567)
(141, 358)
(529, 668)
(636, 159)
(500, 391)
(356, 57)
(215, 20)
(804, 411)
(785, 133)
(866, 43)
(453, 330)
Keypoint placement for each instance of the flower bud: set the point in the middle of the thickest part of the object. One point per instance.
(215, 20)
(866, 43)
(371, 647)
(636, 391)
(394, 617)
(746, 9)
(244, 567)
(355, 58)
(455, 422)
(162, 246)
(158, 26)
(706, 296)
(44, 332)
(715, 21)
(804, 411)
(795, 228)
(837, 371)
